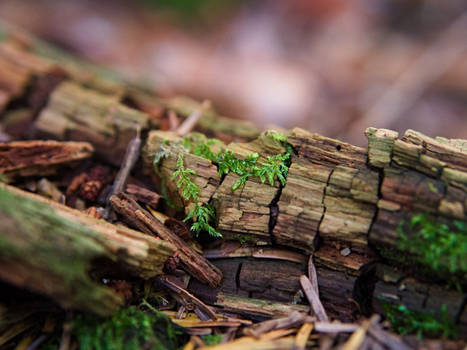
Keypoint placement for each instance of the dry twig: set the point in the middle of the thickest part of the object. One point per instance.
(190, 122)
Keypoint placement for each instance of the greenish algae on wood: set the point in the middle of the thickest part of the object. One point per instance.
(50, 249)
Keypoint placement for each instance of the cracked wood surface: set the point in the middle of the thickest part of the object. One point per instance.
(341, 203)
(340, 197)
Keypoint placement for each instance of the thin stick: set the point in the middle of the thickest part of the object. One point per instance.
(174, 122)
(312, 275)
(129, 161)
(335, 327)
(187, 296)
(66, 334)
(313, 298)
(193, 118)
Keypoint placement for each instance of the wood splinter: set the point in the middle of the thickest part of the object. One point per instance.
(129, 161)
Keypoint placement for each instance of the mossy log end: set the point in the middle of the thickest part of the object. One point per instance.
(52, 249)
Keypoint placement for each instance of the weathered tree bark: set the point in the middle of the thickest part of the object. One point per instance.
(51, 249)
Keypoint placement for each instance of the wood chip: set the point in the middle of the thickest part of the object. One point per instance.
(313, 298)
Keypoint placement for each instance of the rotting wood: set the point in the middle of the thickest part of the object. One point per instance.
(40, 158)
(20, 69)
(49, 248)
(190, 260)
(352, 198)
(256, 308)
(255, 277)
(207, 178)
(349, 196)
(235, 249)
(143, 195)
(78, 113)
(211, 123)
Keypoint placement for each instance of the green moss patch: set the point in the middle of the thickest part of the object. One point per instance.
(405, 321)
(128, 329)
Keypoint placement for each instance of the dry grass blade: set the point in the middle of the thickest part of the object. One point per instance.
(302, 336)
(313, 298)
(251, 343)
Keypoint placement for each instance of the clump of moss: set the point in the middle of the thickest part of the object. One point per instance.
(212, 339)
(405, 321)
(128, 329)
(245, 238)
(275, 167)
(436, 246)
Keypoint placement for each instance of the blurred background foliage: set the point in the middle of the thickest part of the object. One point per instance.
(330, 66)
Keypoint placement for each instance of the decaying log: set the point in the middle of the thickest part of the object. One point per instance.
(190, 260)
(395, 287)
(351, 198)
(343, 204)
(211, 123)
(167, 143)
(248, 210)
(50, 249)
(78, 113)
(40, 158)
(19, 70)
